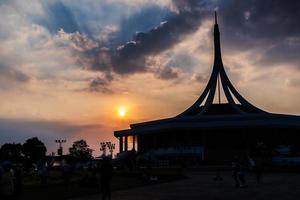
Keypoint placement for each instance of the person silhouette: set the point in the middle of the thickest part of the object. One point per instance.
(242, 173)
(106, 172)
(7, 183)
(236, 167)
(258, 169)
(66, 173)
(18, 179)
(42, 172)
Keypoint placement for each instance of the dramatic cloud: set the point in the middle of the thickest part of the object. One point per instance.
(132, 57)
(143, 20)
(248, 28)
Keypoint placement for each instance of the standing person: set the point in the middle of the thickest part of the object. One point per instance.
(66, 173)
(42, 172)
(1, 171)
(242, 173)
(218, 176)
(252, 163)
(7, 183)
(106, 172)
(18, 179)
(258, 170)
(236, 167)
(1, 175)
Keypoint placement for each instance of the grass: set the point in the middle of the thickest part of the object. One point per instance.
(85, 183)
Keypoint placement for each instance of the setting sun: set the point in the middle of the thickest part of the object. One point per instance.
(122, 111)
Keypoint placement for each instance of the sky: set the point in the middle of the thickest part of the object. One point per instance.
(67, 66)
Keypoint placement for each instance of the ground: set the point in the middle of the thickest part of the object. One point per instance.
(200, 185)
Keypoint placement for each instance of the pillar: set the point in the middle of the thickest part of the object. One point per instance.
(133, 142)
(126, 143)
(121, 144)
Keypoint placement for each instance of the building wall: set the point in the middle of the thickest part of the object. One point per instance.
(220, 145)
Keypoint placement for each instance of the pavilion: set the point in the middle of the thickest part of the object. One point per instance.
(211, 131)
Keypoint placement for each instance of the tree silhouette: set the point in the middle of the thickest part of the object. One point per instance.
(34, 149)
(11, 152)
(80, 151)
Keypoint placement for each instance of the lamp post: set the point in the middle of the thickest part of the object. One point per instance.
(103, 148)
(107, 145)
(60, 148)
(111, 147)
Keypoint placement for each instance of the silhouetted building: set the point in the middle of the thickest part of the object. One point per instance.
(212, 132)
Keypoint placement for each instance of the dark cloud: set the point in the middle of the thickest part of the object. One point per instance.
(27, 128)
(282, 53)
(268, 19)
(262, 24)
(18, 130)
(10, 76)
(101, 84)
(89, 53)
(14, 74)
(132, 57)
(144, 19)
(167, 73)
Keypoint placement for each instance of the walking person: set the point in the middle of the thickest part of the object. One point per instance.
(7, 183)
(66, 173)
(42, 172)
(242, 174)
(236, 167)
(258, 169)
(218, 176)
(106, 172)
(18, 181)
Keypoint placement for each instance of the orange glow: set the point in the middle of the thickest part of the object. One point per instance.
(122, 111)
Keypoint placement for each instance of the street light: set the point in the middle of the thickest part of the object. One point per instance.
(103, 148)
(107, 145)
(111, 147)
(60, 148)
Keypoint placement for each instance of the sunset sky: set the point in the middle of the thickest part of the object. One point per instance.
(67, 67)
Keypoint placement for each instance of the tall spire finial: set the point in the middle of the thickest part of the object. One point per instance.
(217, 80)
(216, 18)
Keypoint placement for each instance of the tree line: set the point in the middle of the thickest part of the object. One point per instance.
(34, 150)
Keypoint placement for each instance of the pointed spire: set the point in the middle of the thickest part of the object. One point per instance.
(216, 18)
(218, 57)
(219, 78)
